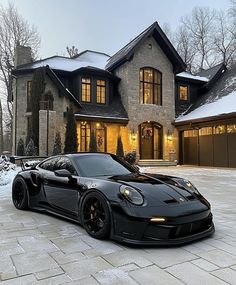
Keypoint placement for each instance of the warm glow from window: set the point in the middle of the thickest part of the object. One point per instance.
(231, 128)
(101, 91)
(205, 131)
(183, 92)
(190, 133)
(86, 90)
(219, 129)
(150, 86)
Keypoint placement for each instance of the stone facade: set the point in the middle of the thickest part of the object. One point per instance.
(149, 54)
(57, 120)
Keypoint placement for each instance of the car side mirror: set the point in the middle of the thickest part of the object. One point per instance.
(63, 173)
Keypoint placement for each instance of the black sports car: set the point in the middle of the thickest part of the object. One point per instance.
(111, 198)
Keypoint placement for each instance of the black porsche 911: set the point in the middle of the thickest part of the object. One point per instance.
(111, 198)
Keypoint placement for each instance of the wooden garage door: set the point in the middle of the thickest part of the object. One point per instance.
(217, 146)
(190, 148)
(231, 132)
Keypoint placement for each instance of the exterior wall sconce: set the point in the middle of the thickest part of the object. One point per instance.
(133, 135)
(169, 135)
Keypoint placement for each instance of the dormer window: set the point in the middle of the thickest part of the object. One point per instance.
(150, 86)
(86, 89)
(101, 91)
(183, 92)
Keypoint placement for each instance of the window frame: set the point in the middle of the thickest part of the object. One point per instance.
(90, 89)
(142, 82)
(183, 85)
(101, 87)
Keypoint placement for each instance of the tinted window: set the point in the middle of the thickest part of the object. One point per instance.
(58, 163)
(100, 165)
(65, 163)
(49, 164)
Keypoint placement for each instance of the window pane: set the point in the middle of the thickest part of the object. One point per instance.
(190, 133)
(86, 89)
(183, 92)
(148, 93)
(150, 86)
(101, 91)
(157, 77)
(205, 131)
(231, 128)
(219, 130)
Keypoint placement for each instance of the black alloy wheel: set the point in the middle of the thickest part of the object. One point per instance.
(19, 194)
(96, 216)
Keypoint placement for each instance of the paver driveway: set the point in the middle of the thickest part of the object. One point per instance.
(40, 249)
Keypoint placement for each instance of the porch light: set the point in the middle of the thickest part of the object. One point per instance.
(158, 219)
(169, 135)
(98, 125)
(133, 135)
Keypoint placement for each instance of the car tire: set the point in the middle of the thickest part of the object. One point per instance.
(20, 193)
(95, 215)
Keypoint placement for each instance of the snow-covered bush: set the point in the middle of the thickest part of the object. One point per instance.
(7, 172)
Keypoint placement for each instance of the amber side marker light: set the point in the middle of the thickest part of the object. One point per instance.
(158, 219)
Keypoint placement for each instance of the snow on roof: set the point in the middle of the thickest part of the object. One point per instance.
(84, 59)
(185, 74)
(224, 105)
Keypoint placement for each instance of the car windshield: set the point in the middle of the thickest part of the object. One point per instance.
(95, 165)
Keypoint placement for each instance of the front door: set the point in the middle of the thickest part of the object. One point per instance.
(150, 140)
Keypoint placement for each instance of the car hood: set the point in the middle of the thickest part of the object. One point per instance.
(156, 192)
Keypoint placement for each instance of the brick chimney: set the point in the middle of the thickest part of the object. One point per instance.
(22, 55)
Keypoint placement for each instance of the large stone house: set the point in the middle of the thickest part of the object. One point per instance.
(136, 94)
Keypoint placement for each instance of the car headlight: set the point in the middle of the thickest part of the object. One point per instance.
(132, 195)
(189, 185)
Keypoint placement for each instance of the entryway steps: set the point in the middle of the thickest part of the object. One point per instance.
(156, 162)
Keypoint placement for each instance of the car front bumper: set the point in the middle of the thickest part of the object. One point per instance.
(143, 232)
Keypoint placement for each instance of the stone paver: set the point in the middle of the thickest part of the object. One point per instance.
(193, 275)
(40, 249)
(155, 276)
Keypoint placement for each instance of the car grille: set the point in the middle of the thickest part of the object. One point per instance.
(155, 231)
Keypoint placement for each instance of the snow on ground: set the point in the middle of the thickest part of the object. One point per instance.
(224, 105)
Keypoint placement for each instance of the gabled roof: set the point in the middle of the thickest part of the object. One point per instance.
(217, 102)
(210, 72)
(86, 58)
(154, 30)
(61, 86)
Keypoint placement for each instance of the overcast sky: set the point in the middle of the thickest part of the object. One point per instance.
(102, 25)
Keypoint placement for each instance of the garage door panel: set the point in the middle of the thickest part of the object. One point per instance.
(220, 150)
(232, 149)
(190, 151)
(206, 150)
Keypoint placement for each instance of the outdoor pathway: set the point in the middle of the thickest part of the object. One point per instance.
(42, 249)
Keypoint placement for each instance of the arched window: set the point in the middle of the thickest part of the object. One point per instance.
(150, 86)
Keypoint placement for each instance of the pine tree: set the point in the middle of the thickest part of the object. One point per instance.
(20, 147)
(119, 149)
(31, 150)
(71, 143)
(57, 144)
(38, 87)
(93, 143)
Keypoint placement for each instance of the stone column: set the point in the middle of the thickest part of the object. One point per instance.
(47, 131)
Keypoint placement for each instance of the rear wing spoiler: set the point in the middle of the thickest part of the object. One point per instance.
(21, 159)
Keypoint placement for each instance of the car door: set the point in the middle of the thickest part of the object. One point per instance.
(61, 192)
